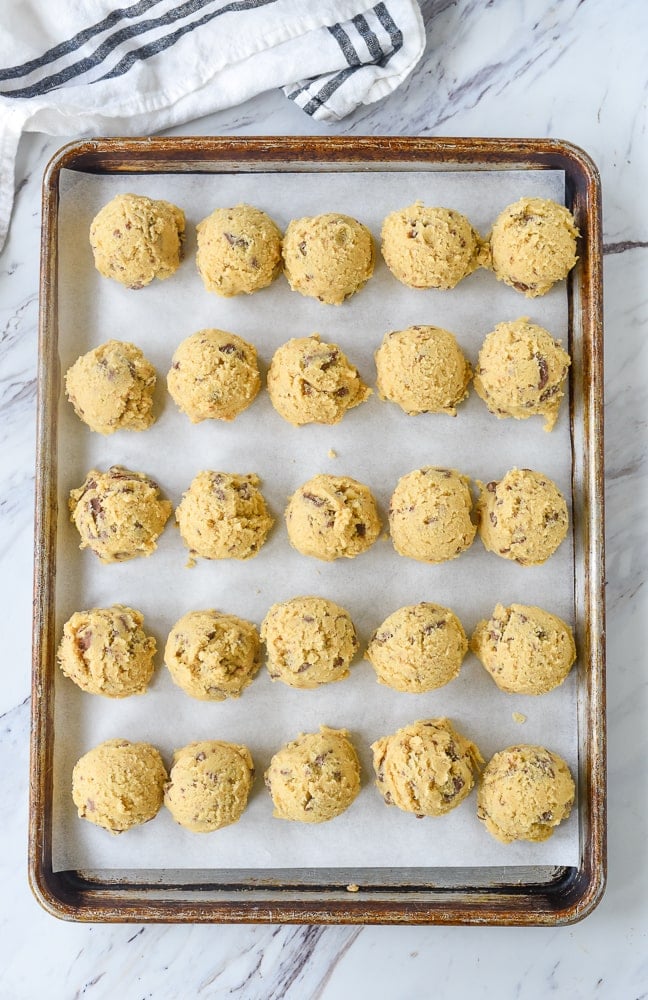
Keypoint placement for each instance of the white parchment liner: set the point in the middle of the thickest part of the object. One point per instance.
(376, 444)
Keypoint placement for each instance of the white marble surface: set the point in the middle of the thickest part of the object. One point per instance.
(570, 69)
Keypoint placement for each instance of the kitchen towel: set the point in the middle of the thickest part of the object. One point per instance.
(88, 68)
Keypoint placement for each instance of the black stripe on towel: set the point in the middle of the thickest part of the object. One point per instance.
(345, 43)
(65, 48)
(152, 48)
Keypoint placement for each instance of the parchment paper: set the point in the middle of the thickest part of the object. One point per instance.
(376, 444)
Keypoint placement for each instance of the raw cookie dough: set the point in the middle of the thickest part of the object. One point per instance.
(239, 250)
(429, 515)
(418, 648)
(212, 656)
(118, 513)
(524, 793)
(533, 245)
(224, 516)
(311, 382)
(315, 777)
(135, 239)
(328, 257)
(426, 768)
(521, 371)
(332, 516)
(111, 388)
(522, 517)
(422, 369)
(106, 651)
(310, 641)
(119, 784)
(209, 785)
(525, 650)
(430, 247)
(214, 375)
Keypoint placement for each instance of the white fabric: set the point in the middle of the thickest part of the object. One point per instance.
(172, 62)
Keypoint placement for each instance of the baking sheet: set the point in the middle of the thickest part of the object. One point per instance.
(376, 444)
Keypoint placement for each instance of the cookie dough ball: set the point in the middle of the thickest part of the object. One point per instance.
(422, 369)
(533, 245)
(522, 517)
(429, 515)
(314, 778)
(214, 376)
(430, 247)
(224, 516)
(239, 250)
(332, 516)
(119, 784)
(525, 650)
(212, 656)
(135, 239)
(106, 651)
(328, 257)
(418, 648)
(313, 383)
(310, 641)
(111, 388)
(209, 785)
(521, 371)
(524, 793)
(426, 768)
(119, 514)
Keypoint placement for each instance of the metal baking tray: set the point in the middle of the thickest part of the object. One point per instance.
(511, 895)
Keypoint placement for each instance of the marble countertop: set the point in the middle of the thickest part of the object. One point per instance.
(574, 70)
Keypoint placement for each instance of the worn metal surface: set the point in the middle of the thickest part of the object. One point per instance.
(504, 896)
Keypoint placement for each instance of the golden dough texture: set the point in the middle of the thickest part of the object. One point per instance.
(330, 517)
(533, 245)
(310, 641)
(135, 239)
(209, 785)
(525, 649)
(328, 257)
(430, 247)
(119, 514)
(423, 370)
(522, 517)
(106, 651)
(521, 372)
(119, 784)
(429, 515)
(212, 656)
(239, 250)
(524, 793)
(313, 382)
(111, 388)
(418, 648)
(315, 777)
(426, 768)
(214, 375)
(224, 516)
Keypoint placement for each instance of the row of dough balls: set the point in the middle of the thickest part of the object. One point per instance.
(311, 641)
(426, 768)
(329, 257)
(119, 515)
(521, 372)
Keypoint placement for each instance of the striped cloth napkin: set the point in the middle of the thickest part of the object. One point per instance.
(90, 68)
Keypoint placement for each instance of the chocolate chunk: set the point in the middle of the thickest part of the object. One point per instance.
(302, 248)
(361, 530)
(543, 370)
(342, 391)
(493, 519)
(236, 241)
(311, 498)
(304, 666)
(201, 756)
(491, 487)
(84, 639)
(228, 349)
